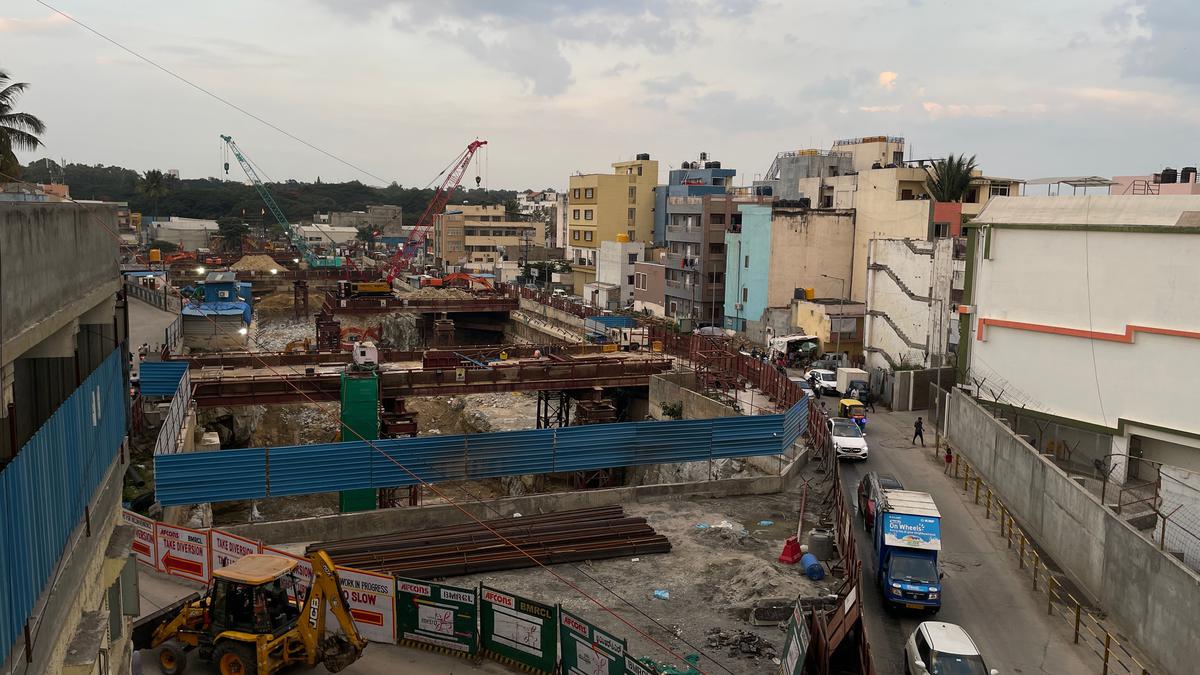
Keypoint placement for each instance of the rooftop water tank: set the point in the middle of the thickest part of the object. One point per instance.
(643, 155)
(1169, 175)
(1188, 175)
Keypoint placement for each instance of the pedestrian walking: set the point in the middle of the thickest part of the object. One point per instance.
(870, 401)
(949, 461)
(918, 432)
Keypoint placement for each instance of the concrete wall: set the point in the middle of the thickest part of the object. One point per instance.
(1180, 492)
(805, 245)
(59, 262)
(1150, 596)
(678, 388)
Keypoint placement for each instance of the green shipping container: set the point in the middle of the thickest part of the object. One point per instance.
(360, 421)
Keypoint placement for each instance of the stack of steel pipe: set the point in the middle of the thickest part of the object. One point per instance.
(566, 536)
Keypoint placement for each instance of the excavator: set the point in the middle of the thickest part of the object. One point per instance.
(253, 620)
(458, 280)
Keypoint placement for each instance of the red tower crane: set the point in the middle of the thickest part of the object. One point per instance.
(437, 204)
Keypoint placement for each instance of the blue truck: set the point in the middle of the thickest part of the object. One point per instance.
(908, 537)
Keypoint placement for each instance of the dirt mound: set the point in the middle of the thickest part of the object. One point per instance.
(282, 302)
(255, 263)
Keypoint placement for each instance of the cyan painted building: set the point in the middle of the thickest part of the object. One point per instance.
(747, 266)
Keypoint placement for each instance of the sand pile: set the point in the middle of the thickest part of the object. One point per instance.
(255, 263)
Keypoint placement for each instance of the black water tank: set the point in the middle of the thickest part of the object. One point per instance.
(703, 156)
(1188, 175)
(685, 165)
(643, 155)
(1169, 175)
(763, 190)
(714, 165)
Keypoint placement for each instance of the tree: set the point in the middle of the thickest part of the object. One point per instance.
(153, 185)
(366, 233)
(18, 130)
(950, 178)
(232, 229)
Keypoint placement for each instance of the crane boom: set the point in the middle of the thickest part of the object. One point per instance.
(294, 236)
(436, 205)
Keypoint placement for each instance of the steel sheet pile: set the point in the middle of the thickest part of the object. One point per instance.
(566, 536)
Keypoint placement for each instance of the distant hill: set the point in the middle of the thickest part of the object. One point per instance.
(215, 198)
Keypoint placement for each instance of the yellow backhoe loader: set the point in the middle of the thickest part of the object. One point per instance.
(254, 621)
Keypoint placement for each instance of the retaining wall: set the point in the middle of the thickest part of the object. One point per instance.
(1150, 595)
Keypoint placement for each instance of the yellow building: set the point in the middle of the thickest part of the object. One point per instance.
(482, 234)
(601, 206)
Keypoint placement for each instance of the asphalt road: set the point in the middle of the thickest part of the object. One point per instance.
(983, 589)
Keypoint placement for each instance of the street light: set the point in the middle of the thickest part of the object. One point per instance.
(841, 310)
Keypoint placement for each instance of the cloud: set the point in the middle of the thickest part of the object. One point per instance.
(887, 79)
(1165, 35)
(531, 39)
(49, 22)
(669, 84)
(1127, 97)
(880, 108)
(729, 111)
(835, 86)
(985, 110)
(619, 68)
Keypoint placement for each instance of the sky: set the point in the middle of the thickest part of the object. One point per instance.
(397, 88)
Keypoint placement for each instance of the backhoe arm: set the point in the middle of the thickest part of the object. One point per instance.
(326, 592)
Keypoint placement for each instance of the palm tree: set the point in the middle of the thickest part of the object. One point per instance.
(153, 185)
(950, 178)
(18, 130)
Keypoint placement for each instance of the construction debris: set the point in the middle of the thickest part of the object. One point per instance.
(566, 536)
(740, 643)
(255, 263)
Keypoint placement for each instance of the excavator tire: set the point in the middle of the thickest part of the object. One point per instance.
(171, 659)
(235, 658)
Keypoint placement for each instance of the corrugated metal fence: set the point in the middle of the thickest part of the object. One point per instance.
(45, 489)
(160, 378)
(172, 424)
(197, 477)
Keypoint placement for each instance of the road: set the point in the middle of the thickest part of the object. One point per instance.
(147, 324)
(983, 590)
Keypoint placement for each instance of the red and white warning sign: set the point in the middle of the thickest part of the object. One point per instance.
(182, 551)
(143, 536)
(372, 601)
(229, 548)
(303, 572)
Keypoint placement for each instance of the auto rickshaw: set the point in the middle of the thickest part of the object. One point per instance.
(854, 409)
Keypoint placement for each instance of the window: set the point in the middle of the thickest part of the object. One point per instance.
(747, 263)
(632, 235)
(575, 235)
(716, 248)
(906, 194)
(589, 193)
(716, 277)
(639, 169)
(737, 219)
(827, 202)
(632, 258)
(922, 648)
(632, 214)
(941, 230)
(972, 196)
(672, 309)
(717, 219)
(640, 281)
(587, 214)
(998, 191)
(629, 280)
(632, 193)
(575, 193)
(898, 157)
(745, 294)
(587, 235)
(846, 327)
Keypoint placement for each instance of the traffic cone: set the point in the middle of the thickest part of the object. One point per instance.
(791, 552)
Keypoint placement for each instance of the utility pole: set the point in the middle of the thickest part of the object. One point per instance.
(841, 311)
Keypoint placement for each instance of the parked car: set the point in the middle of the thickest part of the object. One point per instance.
(938, 648)
(869, 490)
(804, 385)
(847, 439)
(826, 381)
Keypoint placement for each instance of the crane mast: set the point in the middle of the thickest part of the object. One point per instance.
(294, 236)
(437, 204)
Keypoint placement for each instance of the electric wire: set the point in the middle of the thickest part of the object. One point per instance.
(430, 486)
(209, 92)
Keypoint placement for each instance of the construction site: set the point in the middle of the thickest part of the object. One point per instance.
(425, 428)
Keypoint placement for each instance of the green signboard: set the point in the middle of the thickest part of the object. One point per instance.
(517, 631)
(635, 667)
(587, 650)
(795, 646)
(434, 615)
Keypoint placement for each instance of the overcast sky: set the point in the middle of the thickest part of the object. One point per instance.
(399, 87)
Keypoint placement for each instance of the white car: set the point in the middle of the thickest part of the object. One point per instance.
(804, 385)
(847, 438)
(936, 647)
(826, 381)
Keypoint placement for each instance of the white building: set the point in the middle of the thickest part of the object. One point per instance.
(913, 285)
(188, 234)
(529, 201)
(614, 270)
(1085, 309)
(328, 235)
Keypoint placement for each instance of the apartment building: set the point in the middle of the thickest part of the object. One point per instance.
(482, 235)
(602, 206)
(549, 206)
(387, 219)
(70, 585)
